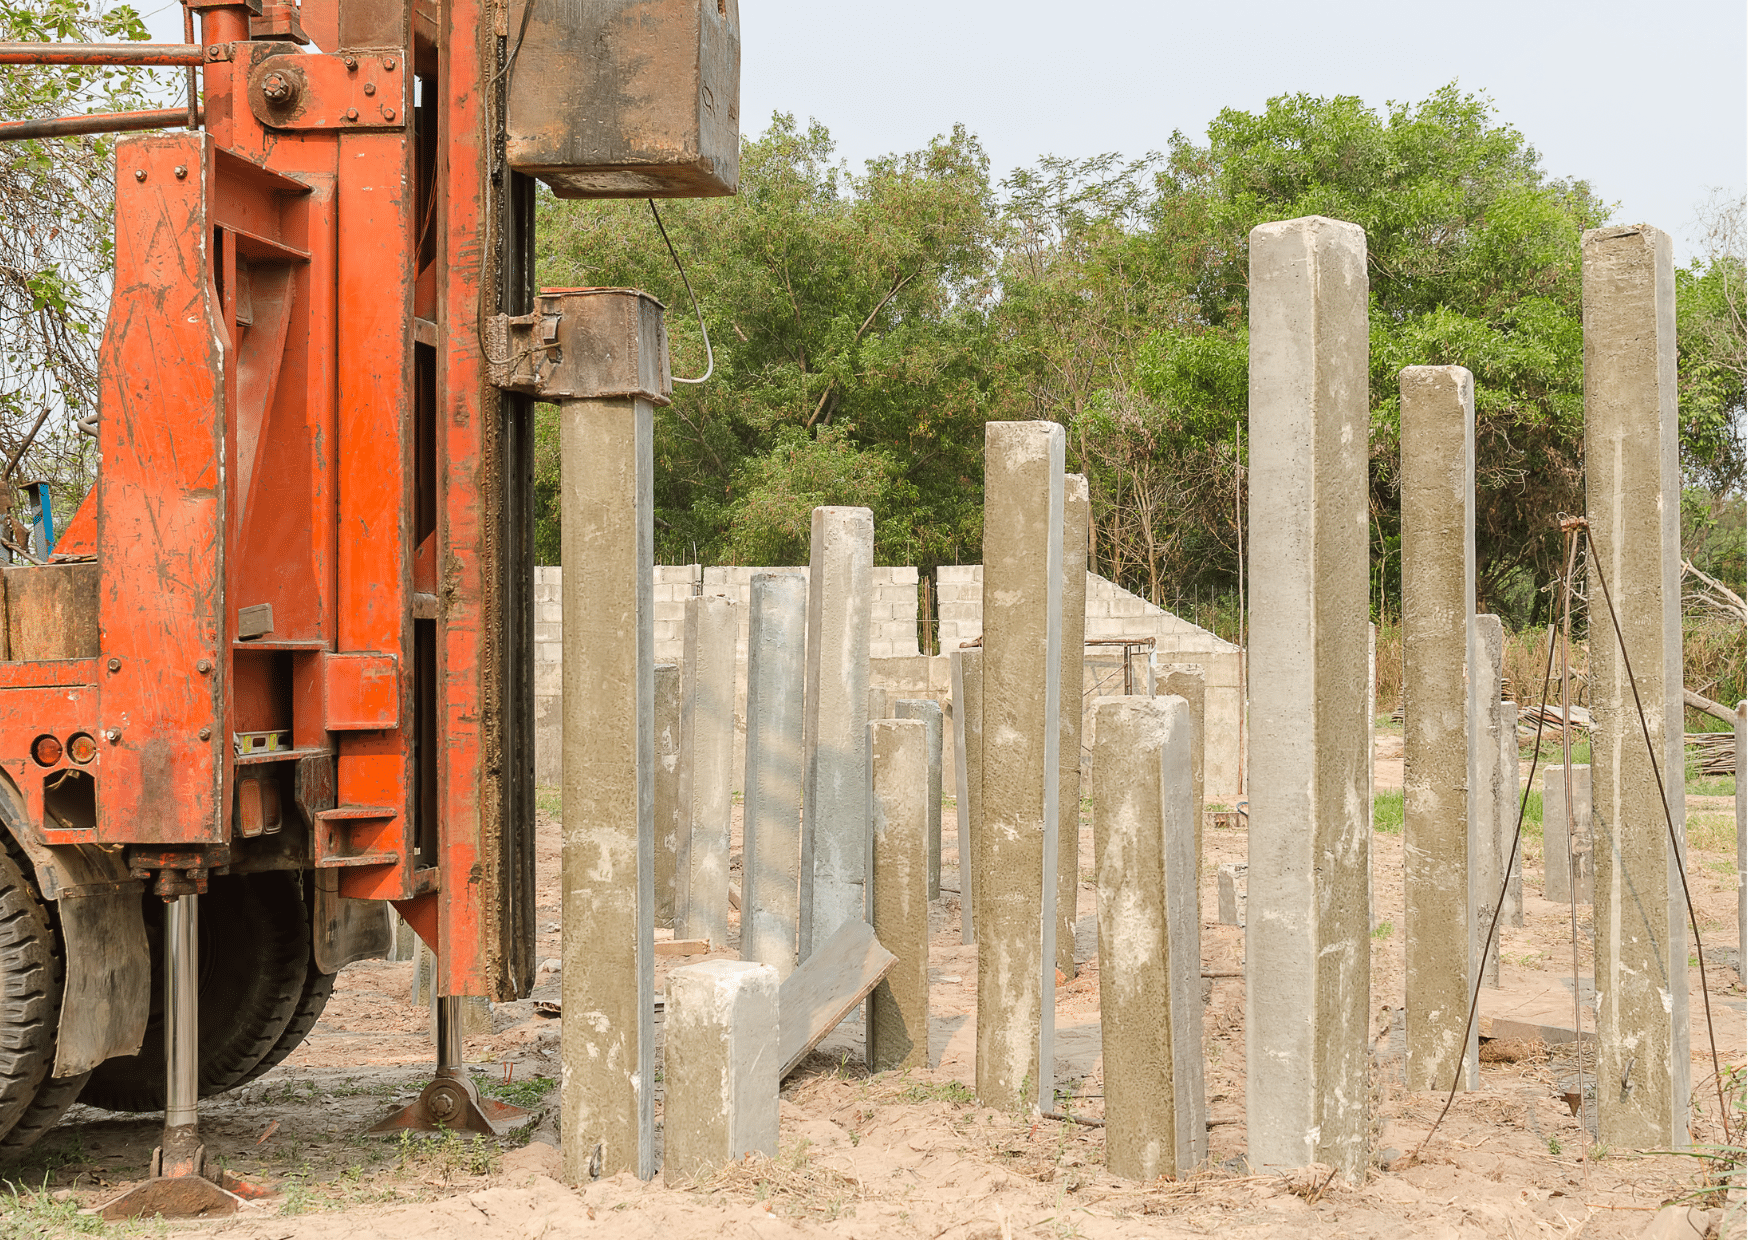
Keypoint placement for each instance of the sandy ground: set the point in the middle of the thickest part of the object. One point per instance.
(911, 1154)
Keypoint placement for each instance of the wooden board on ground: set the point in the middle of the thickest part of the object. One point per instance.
(826, 988)
(682, 947)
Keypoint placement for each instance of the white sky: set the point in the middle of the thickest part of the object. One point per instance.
(1650, 103)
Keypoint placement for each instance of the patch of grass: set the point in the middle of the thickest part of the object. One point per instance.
(527, 1093)
(944, 1091)
(548, 801)
(1387, 813)
(1385, 930)
(1721, 786)
(36, 1213)
(1712, 832)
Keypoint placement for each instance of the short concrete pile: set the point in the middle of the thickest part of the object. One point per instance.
(898, 1010)
(706, 769)
(929, 712)
(1150, 971)
(771, 803)
(720, 1066)
(1567, 839)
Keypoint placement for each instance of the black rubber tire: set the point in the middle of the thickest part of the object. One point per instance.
(31, 977)
(254, 957)
(317, 987)
(43, 1113)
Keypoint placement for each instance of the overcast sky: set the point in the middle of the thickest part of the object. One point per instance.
(1646, 102)
(1650, 103)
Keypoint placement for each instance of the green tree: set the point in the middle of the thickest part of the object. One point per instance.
(57, 229)
(845, 311)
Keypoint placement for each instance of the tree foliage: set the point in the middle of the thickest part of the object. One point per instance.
(866, 324)
(57, 228)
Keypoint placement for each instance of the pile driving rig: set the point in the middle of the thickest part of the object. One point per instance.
(278, 668)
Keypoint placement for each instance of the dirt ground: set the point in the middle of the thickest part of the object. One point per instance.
(912, 1154)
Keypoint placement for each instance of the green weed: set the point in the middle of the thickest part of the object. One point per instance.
(527, 1093)
(1385, 930)
(1387, 813)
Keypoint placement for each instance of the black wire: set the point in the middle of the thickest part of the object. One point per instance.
(709, 353)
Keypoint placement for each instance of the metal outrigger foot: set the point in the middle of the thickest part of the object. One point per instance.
(451, 1103)
(180, 1186)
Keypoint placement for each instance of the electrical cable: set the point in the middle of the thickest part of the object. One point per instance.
(709, 353)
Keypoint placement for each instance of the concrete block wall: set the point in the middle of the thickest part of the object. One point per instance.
(897, 665)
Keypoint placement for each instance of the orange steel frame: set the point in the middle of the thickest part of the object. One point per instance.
(295, 411)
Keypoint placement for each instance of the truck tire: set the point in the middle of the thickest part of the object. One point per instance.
(317, 987)
(31, 977)
(44, 1112)
(254, 959)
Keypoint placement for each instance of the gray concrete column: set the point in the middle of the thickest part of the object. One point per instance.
(1632, 481)
(1189, 681)
(1150, 957)
(1510, 787)
(878, 705)
(967, 672)
(1438, 607)
(1022, 671)
(834, 801)
(720, 1065)
(1308, 931)
(1076, 515)
(706, 767)
(608, 795)
(898, 1009)
(929, 711)
(771, 805)
(670, 819)
(1486, 861)
(1557, 834)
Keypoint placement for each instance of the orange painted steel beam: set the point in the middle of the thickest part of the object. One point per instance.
(97, 122)
(102, 54)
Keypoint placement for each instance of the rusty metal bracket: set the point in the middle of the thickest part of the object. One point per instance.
(450, 1103)
(367, 89)
(583, 344)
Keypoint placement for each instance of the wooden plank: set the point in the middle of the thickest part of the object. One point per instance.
(682, 947)
(826, 988)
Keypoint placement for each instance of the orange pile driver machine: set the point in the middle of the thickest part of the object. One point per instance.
(278, 669)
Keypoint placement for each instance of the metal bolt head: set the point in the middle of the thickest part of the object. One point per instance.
(206, 734)
(351, 114)
(139, 174)
(112, 735)
(204, 666)
(351, 62)
(370, 88)
(388, 62)
(181, 172)
(278, 88)
(115, 665)
(388, 114)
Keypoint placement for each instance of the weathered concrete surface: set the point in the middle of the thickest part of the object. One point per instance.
(898, 1010)
(1741, 830)
(1510, 789)
(1231, 892)
(834, 800)
(1308, 934)
(1633, 498)
(929, 711)
(967, 668)
(1189, 681)
(670, 816)
(1016, 854)
(720, 1065)
(879, 706)
(1557, 844)
(706, 774)
(1150, 958)
(1076, 517)
(1486, 859)
(608, 794)
(771, 808)
(1438, 606)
